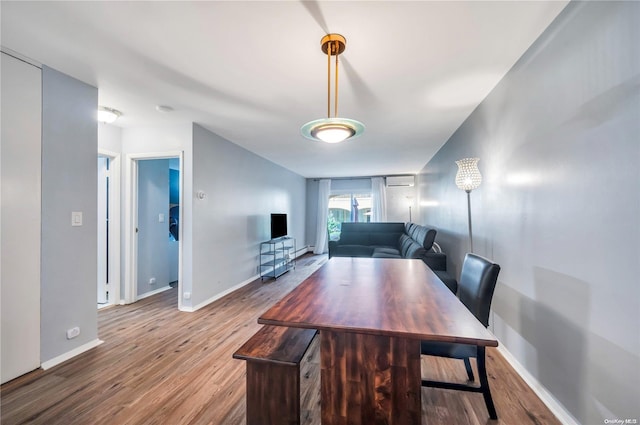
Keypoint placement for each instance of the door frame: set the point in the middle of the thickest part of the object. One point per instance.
(131, 221)
(114, 224)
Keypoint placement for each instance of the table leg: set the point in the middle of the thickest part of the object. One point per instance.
(369, 379)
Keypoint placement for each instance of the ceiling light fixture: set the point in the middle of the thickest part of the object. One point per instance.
(108, 115)
(332, 130)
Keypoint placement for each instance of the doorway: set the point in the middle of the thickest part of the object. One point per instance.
(153, 257)
(108, 279)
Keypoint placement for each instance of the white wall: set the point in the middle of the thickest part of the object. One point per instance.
(69, 176)
(242, 190)
(153, 234)
(109, 137)
(559, 207)
(20, 217)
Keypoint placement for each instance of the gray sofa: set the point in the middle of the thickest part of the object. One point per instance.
(392, 240)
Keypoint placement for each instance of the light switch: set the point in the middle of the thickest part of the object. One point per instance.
(76, 218)
(160, 218)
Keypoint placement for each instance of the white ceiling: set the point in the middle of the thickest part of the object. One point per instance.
(253, 72)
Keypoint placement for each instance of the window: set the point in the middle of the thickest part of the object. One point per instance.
(346, 208)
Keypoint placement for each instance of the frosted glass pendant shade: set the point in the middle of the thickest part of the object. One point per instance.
(468, 176)
(332, 130)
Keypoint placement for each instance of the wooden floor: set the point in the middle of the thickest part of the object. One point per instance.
(161, 366)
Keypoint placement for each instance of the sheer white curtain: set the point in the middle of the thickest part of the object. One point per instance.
(322, 238)
(378, 199)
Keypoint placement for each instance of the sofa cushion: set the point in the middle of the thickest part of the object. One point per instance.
(421, 234)
(415, 251)
(405, 243)
(385, 252)
(355, 238)
(385, 239)
(352, 251)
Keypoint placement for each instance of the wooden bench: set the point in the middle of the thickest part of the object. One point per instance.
(273, 358)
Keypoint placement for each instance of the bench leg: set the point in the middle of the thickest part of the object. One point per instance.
(273, 394)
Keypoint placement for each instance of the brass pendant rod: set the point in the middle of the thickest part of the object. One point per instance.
(328, 81)
(335, 108)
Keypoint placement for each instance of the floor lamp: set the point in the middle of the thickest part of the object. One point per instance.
(467, 179)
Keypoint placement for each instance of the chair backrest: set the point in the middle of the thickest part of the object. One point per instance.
(477, 282)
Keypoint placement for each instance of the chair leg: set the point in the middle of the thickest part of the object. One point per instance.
(484, 383)
(467, 365)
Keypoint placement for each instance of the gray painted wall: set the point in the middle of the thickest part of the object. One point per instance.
(242, 190)
(398, 200)
(69, 173)
(153, 235)
(558, 208)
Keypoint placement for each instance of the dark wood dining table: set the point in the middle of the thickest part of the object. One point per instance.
(372, 314)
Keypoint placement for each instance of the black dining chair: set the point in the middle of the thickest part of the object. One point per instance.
(475, 289)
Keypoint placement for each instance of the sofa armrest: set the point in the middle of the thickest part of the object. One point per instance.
(435, 260)
(332, 246)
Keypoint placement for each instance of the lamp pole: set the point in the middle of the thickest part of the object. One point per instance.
(469, 217)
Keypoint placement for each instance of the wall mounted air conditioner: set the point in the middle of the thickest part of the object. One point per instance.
(400, 181)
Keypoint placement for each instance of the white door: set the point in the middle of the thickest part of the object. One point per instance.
(103, 231)
(21, 217)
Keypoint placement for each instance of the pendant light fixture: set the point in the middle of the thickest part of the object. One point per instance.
(332, 129)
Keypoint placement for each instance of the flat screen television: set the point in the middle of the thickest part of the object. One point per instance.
(278, 225)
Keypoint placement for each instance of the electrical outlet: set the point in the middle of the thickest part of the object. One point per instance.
(73, 332)
(152, 281)
(186, 295)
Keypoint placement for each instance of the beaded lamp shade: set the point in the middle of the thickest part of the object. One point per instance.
(468, 176)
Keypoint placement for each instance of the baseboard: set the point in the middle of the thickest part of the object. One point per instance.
(219, 295)
(155, 291)
(70, 354)
(303, 251)
(547, 398)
